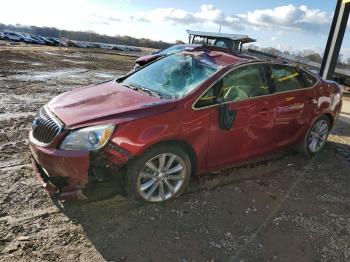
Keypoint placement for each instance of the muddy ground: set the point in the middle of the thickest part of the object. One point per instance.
(284, 209)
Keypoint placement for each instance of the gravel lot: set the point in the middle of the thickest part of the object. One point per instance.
(284, 209)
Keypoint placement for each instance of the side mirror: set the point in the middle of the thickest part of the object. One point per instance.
(226, 117)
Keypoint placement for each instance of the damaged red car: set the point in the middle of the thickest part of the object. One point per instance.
(186, 114)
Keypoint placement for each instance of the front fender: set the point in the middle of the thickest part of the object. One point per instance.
(192, 128)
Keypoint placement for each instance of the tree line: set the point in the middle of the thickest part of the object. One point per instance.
(304, 54)
(85, 36)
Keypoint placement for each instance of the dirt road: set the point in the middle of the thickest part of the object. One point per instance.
(284, 209)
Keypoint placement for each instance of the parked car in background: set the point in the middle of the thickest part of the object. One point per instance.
(12, 36)
(37, 40)
(81, 44)
(95, 45)
(46, 40)
(72, 43)
(26, 39)
(106, 46)
(133, 49)
(140, 62)
(186, 114)
(117, 47)
(56, 41)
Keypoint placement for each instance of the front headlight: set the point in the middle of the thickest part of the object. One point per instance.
(89, 138)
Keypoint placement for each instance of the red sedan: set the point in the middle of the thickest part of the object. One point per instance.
(186, 114)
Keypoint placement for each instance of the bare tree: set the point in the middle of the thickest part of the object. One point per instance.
(340, 58)
(314, 57)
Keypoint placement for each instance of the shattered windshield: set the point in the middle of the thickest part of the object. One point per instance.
(173, 49)
(173, 76)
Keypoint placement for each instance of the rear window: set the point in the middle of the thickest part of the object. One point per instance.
(309, 80)
(286, 78)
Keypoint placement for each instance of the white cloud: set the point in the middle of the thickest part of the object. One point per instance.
(207, 14)
(87, 15)
(288, 17)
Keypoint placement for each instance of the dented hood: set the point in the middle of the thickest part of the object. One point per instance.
(106, 102)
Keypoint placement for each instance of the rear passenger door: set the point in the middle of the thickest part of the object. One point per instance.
(294, 101)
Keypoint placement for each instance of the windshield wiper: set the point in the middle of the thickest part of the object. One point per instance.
(145, 90)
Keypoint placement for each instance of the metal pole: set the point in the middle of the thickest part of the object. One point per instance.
(90, 46)
(59, 39)
(335, 39)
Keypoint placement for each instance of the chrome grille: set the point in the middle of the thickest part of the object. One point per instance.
(44, 127)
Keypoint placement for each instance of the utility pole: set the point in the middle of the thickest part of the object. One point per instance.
(59, 39)
(90, 46)
(335, 39)
(220, 29)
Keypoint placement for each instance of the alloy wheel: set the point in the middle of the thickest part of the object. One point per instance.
(161, 177)
(318, 136)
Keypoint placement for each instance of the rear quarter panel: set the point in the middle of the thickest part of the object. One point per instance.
(329, 99)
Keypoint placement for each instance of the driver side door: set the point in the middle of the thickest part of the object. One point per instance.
(246, 95)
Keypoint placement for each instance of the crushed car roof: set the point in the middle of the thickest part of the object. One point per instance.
(218, 57)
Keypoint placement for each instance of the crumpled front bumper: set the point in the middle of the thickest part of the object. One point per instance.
(62, 173)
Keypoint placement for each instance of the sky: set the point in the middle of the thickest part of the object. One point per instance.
(284, 24)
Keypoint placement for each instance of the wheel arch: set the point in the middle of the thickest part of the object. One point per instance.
(183, 145)
(330, 118)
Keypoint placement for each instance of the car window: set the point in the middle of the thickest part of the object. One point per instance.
(210, 97)
(242, 83)
(245, 82)
(309, 80)
(286, 78)
(222, 43)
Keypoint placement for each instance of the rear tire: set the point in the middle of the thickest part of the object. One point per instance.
(160, 174)
(316, 137)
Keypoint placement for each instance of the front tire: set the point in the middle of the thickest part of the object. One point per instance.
(316, 138)
(160, 174)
